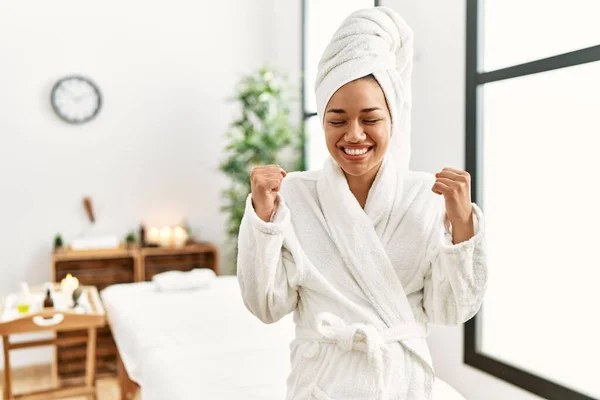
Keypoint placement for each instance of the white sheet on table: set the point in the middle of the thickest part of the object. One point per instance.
(182, 345)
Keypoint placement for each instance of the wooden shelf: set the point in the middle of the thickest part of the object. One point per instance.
(102, 268)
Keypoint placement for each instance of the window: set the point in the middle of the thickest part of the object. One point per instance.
(320, 20)
(533, 134)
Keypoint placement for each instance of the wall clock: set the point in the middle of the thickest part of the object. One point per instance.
(75, 99)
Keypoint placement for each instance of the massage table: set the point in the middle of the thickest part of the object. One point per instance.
(200, 344)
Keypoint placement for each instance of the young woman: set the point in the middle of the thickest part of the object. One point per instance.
(365, 252)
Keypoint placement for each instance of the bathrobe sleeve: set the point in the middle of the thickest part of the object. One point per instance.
(456, 278)
(266, 271)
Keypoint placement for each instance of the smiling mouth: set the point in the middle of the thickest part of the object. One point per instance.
(356, 152)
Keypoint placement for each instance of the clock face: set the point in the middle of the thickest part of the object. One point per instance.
(75, 99)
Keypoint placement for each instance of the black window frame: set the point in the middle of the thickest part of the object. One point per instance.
(305, 113)
(473, 157)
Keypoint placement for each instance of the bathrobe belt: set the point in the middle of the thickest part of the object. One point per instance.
(360, 337)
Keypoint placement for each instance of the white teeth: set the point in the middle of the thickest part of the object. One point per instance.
(355, 152)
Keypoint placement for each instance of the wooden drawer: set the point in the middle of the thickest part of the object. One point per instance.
(75, 369)
(68, 354)
(99, 273)
(102, 279)
(156, 264)
(71, 359)
(82, 265)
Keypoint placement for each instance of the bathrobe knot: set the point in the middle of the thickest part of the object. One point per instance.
(365, 338)
(357, 336)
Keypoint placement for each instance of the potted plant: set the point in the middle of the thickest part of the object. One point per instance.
(58, 242)
(263, 134)
(130, 239)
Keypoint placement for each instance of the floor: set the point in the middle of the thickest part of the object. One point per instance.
(39, 377)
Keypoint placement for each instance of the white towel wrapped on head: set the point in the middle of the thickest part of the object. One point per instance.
(200, 278)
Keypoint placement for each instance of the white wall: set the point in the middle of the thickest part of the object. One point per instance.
(438, 137)
(285, 41)
(152, 154)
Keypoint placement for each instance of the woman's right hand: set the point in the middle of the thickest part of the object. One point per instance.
(265, 182)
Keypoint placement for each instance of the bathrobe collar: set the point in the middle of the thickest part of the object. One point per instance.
(361, 235)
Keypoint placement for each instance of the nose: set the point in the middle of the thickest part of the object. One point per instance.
(355, 133)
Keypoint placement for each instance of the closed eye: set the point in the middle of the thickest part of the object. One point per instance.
(336, 123)
(371, 121)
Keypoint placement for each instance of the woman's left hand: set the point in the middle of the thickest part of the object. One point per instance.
(455, 186)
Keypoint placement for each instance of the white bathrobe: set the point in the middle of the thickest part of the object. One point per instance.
(362, 284)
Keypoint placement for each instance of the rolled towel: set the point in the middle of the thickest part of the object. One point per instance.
(200, 278)
(373, 41)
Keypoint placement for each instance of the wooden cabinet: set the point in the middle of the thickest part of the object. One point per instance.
(157, 260)
(103, 268)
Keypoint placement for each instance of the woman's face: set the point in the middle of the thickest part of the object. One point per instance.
(357, 127)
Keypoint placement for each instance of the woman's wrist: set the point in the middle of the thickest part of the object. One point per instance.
(462, 230)
(263, 214)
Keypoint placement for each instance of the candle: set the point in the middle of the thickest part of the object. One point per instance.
(153, 236)
(166, 236)
(68, 286)
(180, 236)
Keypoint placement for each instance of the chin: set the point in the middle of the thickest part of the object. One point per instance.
(354, 170)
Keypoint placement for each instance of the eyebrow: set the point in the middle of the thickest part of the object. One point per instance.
(364, 110)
